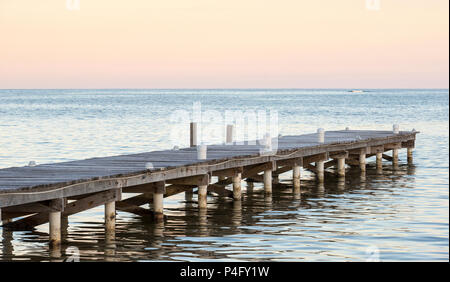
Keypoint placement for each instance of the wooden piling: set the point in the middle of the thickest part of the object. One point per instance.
(341, 167)
(409, 153)
(188, 195)
(394, 156)
(268, 181)
(362, 161)
(379, 160)
(202, 191)
(237, 186)
(320, 167)
(110, 217)
(55, 228)
(296, 177)
(158, 200)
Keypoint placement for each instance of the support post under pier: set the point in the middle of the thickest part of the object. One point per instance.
(409, 153)
(320, 167)
(202, 191)
(296, 177)
(341, 167)
(268, 181)
(237, 187)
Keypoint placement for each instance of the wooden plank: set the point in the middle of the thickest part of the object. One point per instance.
(408, 144)
(314, 158)
(387, 157)
(377, 149)
(282, 170)
(228, 172)
(192, 180)
(125, 207)
(330, 163)
(391, 146)
(257, 169)
(337, 155)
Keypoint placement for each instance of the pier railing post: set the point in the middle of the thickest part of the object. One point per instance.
(193, 134)
(237, 186)
(320, 135)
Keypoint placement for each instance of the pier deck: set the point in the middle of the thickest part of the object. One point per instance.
(70, 187)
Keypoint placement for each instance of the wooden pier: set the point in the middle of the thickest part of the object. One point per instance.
(49, 193)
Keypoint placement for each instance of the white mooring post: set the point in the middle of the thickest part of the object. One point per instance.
(396, 129)
(296, 177)
(202, 152)
(230, 129)
(320, 166)
(193, 138)
(202, 196)
(320, 135)
(268, 181)
(237, 187)
(341, 167)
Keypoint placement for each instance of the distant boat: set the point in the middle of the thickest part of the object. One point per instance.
(356, 91)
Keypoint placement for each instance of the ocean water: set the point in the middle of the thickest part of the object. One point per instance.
(400, 215)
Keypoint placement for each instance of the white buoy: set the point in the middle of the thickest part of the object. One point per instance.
(148, 165)
(32, 163)
(201, 152)
(321, 135)
(395, 128)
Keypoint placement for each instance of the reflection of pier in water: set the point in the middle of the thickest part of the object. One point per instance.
(336, 162)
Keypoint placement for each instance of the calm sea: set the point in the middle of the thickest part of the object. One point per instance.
(400, 215)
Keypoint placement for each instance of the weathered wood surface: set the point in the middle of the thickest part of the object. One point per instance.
(20, 185)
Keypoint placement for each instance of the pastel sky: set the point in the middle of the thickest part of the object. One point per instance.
(224, 44)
